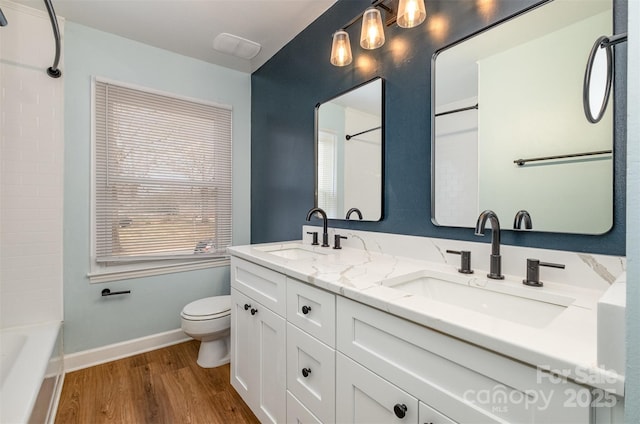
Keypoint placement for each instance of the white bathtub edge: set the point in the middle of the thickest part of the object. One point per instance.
(21, 387)
(56, 400)
(100, 355)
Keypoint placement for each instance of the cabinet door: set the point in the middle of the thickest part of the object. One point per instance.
(258, 357)
(243, 367)
(364, 397)
(270, 348)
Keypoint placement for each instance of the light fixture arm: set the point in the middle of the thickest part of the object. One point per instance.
(390, 12)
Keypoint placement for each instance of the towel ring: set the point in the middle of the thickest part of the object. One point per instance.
(607, 44)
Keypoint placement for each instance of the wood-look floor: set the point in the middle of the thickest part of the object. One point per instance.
(162, 386)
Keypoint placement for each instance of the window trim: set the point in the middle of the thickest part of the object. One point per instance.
(100, 273)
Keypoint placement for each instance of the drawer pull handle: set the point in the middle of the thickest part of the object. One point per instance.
(306, 309)
(253, 311)
(400, 410)
(306, 372)
(246, 306)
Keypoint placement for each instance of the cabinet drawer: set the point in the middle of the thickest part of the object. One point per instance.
(261, 284)
(297, 413)
(364, 397)
(464, 382)
(311, 373)
(313, 310)
(428, 415)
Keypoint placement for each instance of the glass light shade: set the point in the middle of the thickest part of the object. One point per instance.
(341, 49)
(372, 35)
(411, 13)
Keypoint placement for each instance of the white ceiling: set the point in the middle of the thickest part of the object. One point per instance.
(188, 27)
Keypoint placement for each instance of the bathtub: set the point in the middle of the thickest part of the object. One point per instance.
(31, 371)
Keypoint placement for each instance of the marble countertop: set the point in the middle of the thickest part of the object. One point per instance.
(567, 345)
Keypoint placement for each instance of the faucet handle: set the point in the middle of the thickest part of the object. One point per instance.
(465, 261)
(336, 241)
(315, 237)
(533, 272)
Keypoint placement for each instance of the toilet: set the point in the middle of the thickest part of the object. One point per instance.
(209, 320)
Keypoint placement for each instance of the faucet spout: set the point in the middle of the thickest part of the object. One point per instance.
(495, 264)
(325, 224)
(356, 210)
(522, 217)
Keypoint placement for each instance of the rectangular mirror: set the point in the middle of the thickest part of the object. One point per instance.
(349, 151)
(505, 102)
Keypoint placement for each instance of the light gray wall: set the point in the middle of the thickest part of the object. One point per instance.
(632, 389)
(155, 302)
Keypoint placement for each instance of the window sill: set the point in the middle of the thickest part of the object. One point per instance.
(107, 275)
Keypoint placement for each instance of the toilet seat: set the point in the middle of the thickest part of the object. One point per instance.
(208, 308)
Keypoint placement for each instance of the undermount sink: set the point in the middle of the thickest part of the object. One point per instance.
(292, 251)
(503, 300)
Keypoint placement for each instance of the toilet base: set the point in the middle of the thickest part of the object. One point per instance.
(214, 353)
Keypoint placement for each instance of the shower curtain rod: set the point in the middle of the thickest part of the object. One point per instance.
(53, 71)
(349, 137)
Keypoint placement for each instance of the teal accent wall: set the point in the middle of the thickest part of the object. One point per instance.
(286, 89)
(155, 302)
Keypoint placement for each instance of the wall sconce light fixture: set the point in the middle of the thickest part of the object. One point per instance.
(408, 14)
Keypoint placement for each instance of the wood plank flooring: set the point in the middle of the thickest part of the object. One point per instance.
(162, 386)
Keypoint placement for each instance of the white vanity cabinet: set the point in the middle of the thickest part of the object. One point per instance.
(301, 354)
(258, 339)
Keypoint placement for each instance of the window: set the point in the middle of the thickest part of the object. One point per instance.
(162, 177)
(327, 184)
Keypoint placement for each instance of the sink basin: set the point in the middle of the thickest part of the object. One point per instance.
(501, 300)
(292, 251)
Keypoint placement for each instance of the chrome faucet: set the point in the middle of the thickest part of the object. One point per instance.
(495, 264)
(356, 210)
(522, 217)
(325, 233)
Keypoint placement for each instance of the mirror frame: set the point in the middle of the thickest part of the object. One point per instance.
(614, 135)
(382, 145)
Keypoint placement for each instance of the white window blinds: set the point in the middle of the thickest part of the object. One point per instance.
(163, 176)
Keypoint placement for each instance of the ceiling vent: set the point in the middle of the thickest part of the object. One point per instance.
(236, 46)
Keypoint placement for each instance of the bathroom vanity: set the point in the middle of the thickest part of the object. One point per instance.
(367, 334)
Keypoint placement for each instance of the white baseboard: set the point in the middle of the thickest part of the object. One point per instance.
(100, 355)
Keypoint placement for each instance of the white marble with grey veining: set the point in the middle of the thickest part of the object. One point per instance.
(368, 260)
(581, 269)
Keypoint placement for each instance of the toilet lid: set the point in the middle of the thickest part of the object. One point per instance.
(208, 306)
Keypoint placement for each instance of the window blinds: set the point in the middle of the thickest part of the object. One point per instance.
(163, 176)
